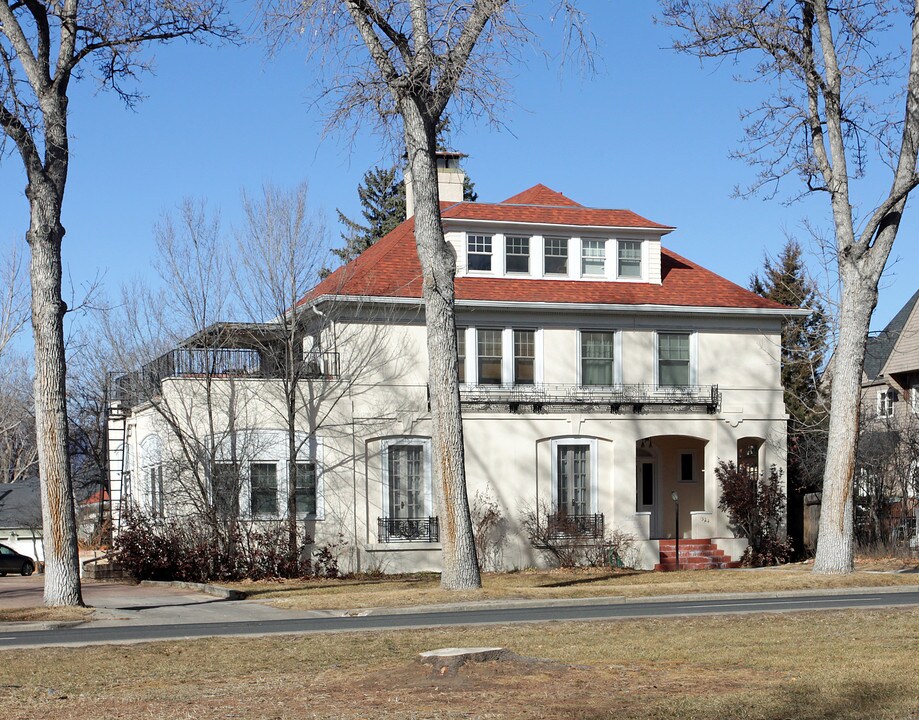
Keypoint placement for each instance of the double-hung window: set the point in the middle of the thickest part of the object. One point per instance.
(629, 259)
(524, 356)
(263, 481)
(596, 358)
(490, 353)
(517, 254)
(673, 359)
(478, 256)
(593, 257)
(556, 256)
(306, 488)
(461, 354)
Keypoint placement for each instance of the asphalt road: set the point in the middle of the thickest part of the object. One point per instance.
(90, 635)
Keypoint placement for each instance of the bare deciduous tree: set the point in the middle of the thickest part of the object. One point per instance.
(827, 121)
(402, 62)
(43, 47)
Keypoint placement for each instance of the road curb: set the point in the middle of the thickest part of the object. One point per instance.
(615, 600)
(206, 588)
(40, 625)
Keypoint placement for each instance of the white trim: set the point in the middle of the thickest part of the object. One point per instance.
(594, 307)
(507, 358)
(412, 440)
(591, 443)
(538, 364)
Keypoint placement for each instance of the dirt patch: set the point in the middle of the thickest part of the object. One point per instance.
(45, 614)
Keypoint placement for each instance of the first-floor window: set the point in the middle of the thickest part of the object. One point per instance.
(405, 464)
(306, 488)
(596, 358)
(573, 480)
(490, 354)
(687, 466)
(673, 359)
(157, 501)
(225, 490)
(263, 478)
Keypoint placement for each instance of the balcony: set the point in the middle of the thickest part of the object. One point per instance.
(573, 527)
(408, 530)
(141, 385)
(544, 397)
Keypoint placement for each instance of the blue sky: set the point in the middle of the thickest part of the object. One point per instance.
(650, 131)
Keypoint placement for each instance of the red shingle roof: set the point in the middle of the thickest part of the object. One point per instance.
(541, 195)
(390, 268)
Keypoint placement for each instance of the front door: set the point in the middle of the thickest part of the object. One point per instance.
(646, 494)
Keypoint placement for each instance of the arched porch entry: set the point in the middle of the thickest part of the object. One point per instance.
(668, 464)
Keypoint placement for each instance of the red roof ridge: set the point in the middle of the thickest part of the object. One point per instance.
(540, 195)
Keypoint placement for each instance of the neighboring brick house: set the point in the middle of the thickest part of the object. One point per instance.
(601, 373)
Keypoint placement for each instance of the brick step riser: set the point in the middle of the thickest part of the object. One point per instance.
(693, 552)
(670, 567)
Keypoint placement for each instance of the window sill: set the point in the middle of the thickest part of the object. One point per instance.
(402, 547)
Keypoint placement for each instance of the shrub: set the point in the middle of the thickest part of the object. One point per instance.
(489, 529)
(183, 550)
(755, 504)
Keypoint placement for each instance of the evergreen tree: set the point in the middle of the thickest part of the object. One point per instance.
(785, 280)
(382, 196)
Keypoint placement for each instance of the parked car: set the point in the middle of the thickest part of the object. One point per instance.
(12, 561)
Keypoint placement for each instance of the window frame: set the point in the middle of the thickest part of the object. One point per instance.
(694, 460)
(617, 354)
(693, 353)
(508, 239)
(474, 238)
(513, 353)
(599, 244)
(303, 513)
(620, 243)
(251, 491)
(461, 357)
(885, 402)
(593, 464)
(501, 357)
(412, 441)
(564, 243)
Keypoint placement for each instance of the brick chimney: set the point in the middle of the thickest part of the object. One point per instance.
(450, 178)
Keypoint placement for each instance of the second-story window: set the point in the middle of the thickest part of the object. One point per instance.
(596, 358)
(886, 399)
(629, 259)
(593, 257)
(479, 252)
(490, 354)
(524, 356)
(673, 359)
(461, 353)
(517, 254)
(556, 256)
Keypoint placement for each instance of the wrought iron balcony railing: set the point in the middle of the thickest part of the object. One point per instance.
(563, 526)
(134, 388)
(408, 529)
(612, 398)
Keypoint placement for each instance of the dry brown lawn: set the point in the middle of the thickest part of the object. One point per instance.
(424, 588)
(851, 664)
(44, 614)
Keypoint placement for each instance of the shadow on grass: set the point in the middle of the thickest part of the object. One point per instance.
(592, 579)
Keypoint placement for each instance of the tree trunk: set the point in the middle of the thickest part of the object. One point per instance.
(293, 546)
(835, 552)
(62, 568)
(438, 266)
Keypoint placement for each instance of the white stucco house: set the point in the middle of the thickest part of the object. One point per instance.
(601, 373)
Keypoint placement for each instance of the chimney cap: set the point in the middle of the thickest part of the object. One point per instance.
(450, 154)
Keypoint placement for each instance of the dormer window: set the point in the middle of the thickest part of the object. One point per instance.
(479, 253)
(556, 257)
(593, 257)
(517, 254)
(629, 259)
